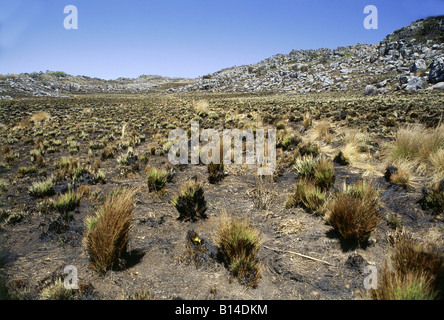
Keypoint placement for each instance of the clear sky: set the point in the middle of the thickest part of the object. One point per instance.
(185, 38)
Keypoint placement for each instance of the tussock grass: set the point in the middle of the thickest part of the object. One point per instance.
(107, 232)
(415, 272)
(239, 243)
(324, 131)
(354, 213)
(156, 179)
(215, 172)
(57, 291)
(42, 188)
(190, 202)
(201, 107)
(308, 196)
(305, 166)
(40, 116)
(67, 202)
(422, 146)
(324, 174)
(307, 120)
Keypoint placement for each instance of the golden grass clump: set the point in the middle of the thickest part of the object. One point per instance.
(416, 272)
(239, 243)
(324, 130)
(354, 212)
(40, 116)
(422, 146)
(107, 231)
(201, 107)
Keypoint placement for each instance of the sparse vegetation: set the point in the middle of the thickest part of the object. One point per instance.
(57, 291)
(416, 273)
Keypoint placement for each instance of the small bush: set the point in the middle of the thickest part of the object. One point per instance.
(107, 231)
(57, 291)
(354, 213)
(433, 198)
(127, 159)
(11, 217)
(393, 222)
(305, 166)
(239, 243)
(67, 202)
(215, 172)
(190, 202)
(42, 189)
(324, 174)
(99, 177)
(156, 179)
(308, 196)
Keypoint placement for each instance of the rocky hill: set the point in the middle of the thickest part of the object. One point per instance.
(60, 84)
(411, 58)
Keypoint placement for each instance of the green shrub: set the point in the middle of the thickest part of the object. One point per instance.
(190, 202)
(239, 243)
(308, 196)
(156, 179)
(42, 189)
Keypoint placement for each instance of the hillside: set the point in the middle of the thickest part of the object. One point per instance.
(411, 58)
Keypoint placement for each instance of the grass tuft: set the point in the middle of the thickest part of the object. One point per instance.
(107, 232)
(239, 243)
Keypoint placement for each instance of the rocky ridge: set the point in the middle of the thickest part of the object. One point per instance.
(411, 59)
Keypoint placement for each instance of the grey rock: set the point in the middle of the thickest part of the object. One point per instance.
(415, 84)
(370, 90)
(382, 84)
(418, 66)
(437, 70)
(438, 86)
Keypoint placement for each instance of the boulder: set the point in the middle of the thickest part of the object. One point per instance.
(418, 66)
(370, 90)
(415, 84)
(437, 70)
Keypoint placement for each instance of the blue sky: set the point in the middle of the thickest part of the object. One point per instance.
(185, 38)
